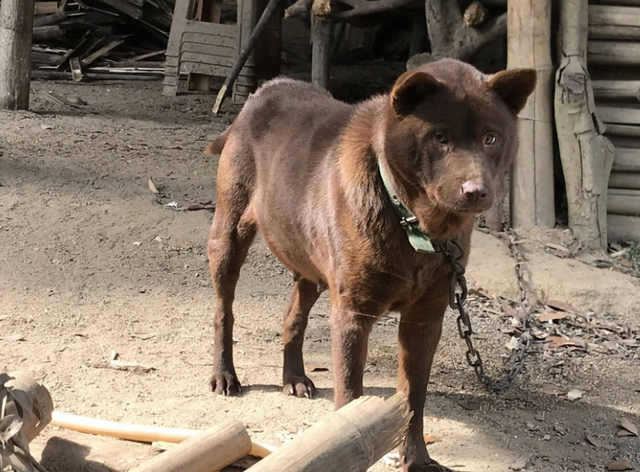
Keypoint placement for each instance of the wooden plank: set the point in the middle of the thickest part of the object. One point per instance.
(607, 15)
(101, 52)
(623, 202)
(125, 7)
(614, 32)
(626, 180)
(229, 31)
(189, 57)
(210, 39)
(622, 130)
(45, 8)
(619, 116)
(627, 160)
(209, 50)
(613, 53)
(529, 45)
(623, 228)
(616, 89)
(206, 69)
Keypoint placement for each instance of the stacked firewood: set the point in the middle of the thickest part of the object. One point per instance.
(100, 39)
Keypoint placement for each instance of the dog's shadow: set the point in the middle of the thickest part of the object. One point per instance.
(62, 455)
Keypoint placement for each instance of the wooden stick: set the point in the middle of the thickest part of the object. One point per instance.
(207, 451)
(321, 37)
(16, 25)
(269, 10)
(350, 439)
(147, 434)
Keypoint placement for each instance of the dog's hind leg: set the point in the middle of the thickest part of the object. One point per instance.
(305, 294)
(232, 232)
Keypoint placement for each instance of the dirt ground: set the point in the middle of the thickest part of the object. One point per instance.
(92, 262)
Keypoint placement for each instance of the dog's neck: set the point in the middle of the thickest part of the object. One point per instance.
(363, 150)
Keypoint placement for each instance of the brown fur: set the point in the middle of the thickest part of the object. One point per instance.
(303, 168)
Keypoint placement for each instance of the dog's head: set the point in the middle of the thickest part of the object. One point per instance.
(451, 136)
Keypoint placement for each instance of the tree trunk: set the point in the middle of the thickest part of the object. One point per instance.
(587, 156)
(529, 45)
(16, 25)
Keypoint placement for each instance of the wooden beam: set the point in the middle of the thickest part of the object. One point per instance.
(322, 39)
(586, 155)
(619, 115)
(613, 53)
(627, 180)
(529, 45)
(623, 202)
(622, 130)
(16, 25)
(616, 89)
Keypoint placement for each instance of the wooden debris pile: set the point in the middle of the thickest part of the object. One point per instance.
(100, 39)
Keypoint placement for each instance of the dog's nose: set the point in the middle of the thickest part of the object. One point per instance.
(474, 191)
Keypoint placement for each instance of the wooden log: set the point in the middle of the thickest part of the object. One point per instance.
(622, 130)
(45, 8)
(529, 45)
(626, 160)
(619, 115)
(350, 439)
(613, 53)
(607, 15)
(16, 25)
(623, 228)
(586, 155)
(138, 433)
(625, 180)
(207, 451)
(616, 89)
(322, 41)
(623, 202)
(44, 33)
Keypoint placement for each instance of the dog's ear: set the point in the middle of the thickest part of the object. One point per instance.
(514, 87)
(410, 89)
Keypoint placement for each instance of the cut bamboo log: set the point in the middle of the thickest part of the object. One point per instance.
(619, 116)
(586, 155)
(623, 202)
(138, 433)
(613, 53)
(607, 15)
(16, 25)
(207, 451)
(623, 227)
(622, 130)
(529, 45)
(350, 439)
(616, 89)
(626, 180)
(626, 160)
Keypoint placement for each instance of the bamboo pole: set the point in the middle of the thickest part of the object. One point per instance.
(529, 45)
(616, 89)
(623, 202)
(133, 432)
(16, 25)
(350, 439)
(626, 160)
(207, 451)
(586, 155)
(613, 53)
(322, 38)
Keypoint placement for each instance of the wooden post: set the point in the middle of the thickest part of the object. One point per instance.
(322, 38)
(351, 439)
(16, 25)
(529, 45)
(587, 156)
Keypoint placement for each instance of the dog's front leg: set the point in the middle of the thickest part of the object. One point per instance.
(350, 329)
(418, 336)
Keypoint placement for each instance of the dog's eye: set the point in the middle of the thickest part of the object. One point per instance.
(490, 139)
(441, 138)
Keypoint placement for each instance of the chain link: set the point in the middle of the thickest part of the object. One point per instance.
(455, 252)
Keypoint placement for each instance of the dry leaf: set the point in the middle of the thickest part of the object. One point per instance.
(428, 439)
(144, 337)
(152, 186)
(626, 263)
(316, 368)
(560, 306)
(559, 315)
(629, 426)
(595, 442)
(623, 433)
(560, 341)
(14, 337)
(619, 465)
(574, 395)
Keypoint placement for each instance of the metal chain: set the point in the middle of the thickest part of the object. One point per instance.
(455, 252)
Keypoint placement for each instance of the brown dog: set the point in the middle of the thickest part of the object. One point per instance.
(305, 169)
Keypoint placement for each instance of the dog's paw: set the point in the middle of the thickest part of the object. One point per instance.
(225, 383)
(299, 386)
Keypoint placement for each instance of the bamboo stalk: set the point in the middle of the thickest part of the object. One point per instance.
(616, 89)
(132, 432)
(350, 439)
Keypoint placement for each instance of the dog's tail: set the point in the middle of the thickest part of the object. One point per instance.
(217, 146)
